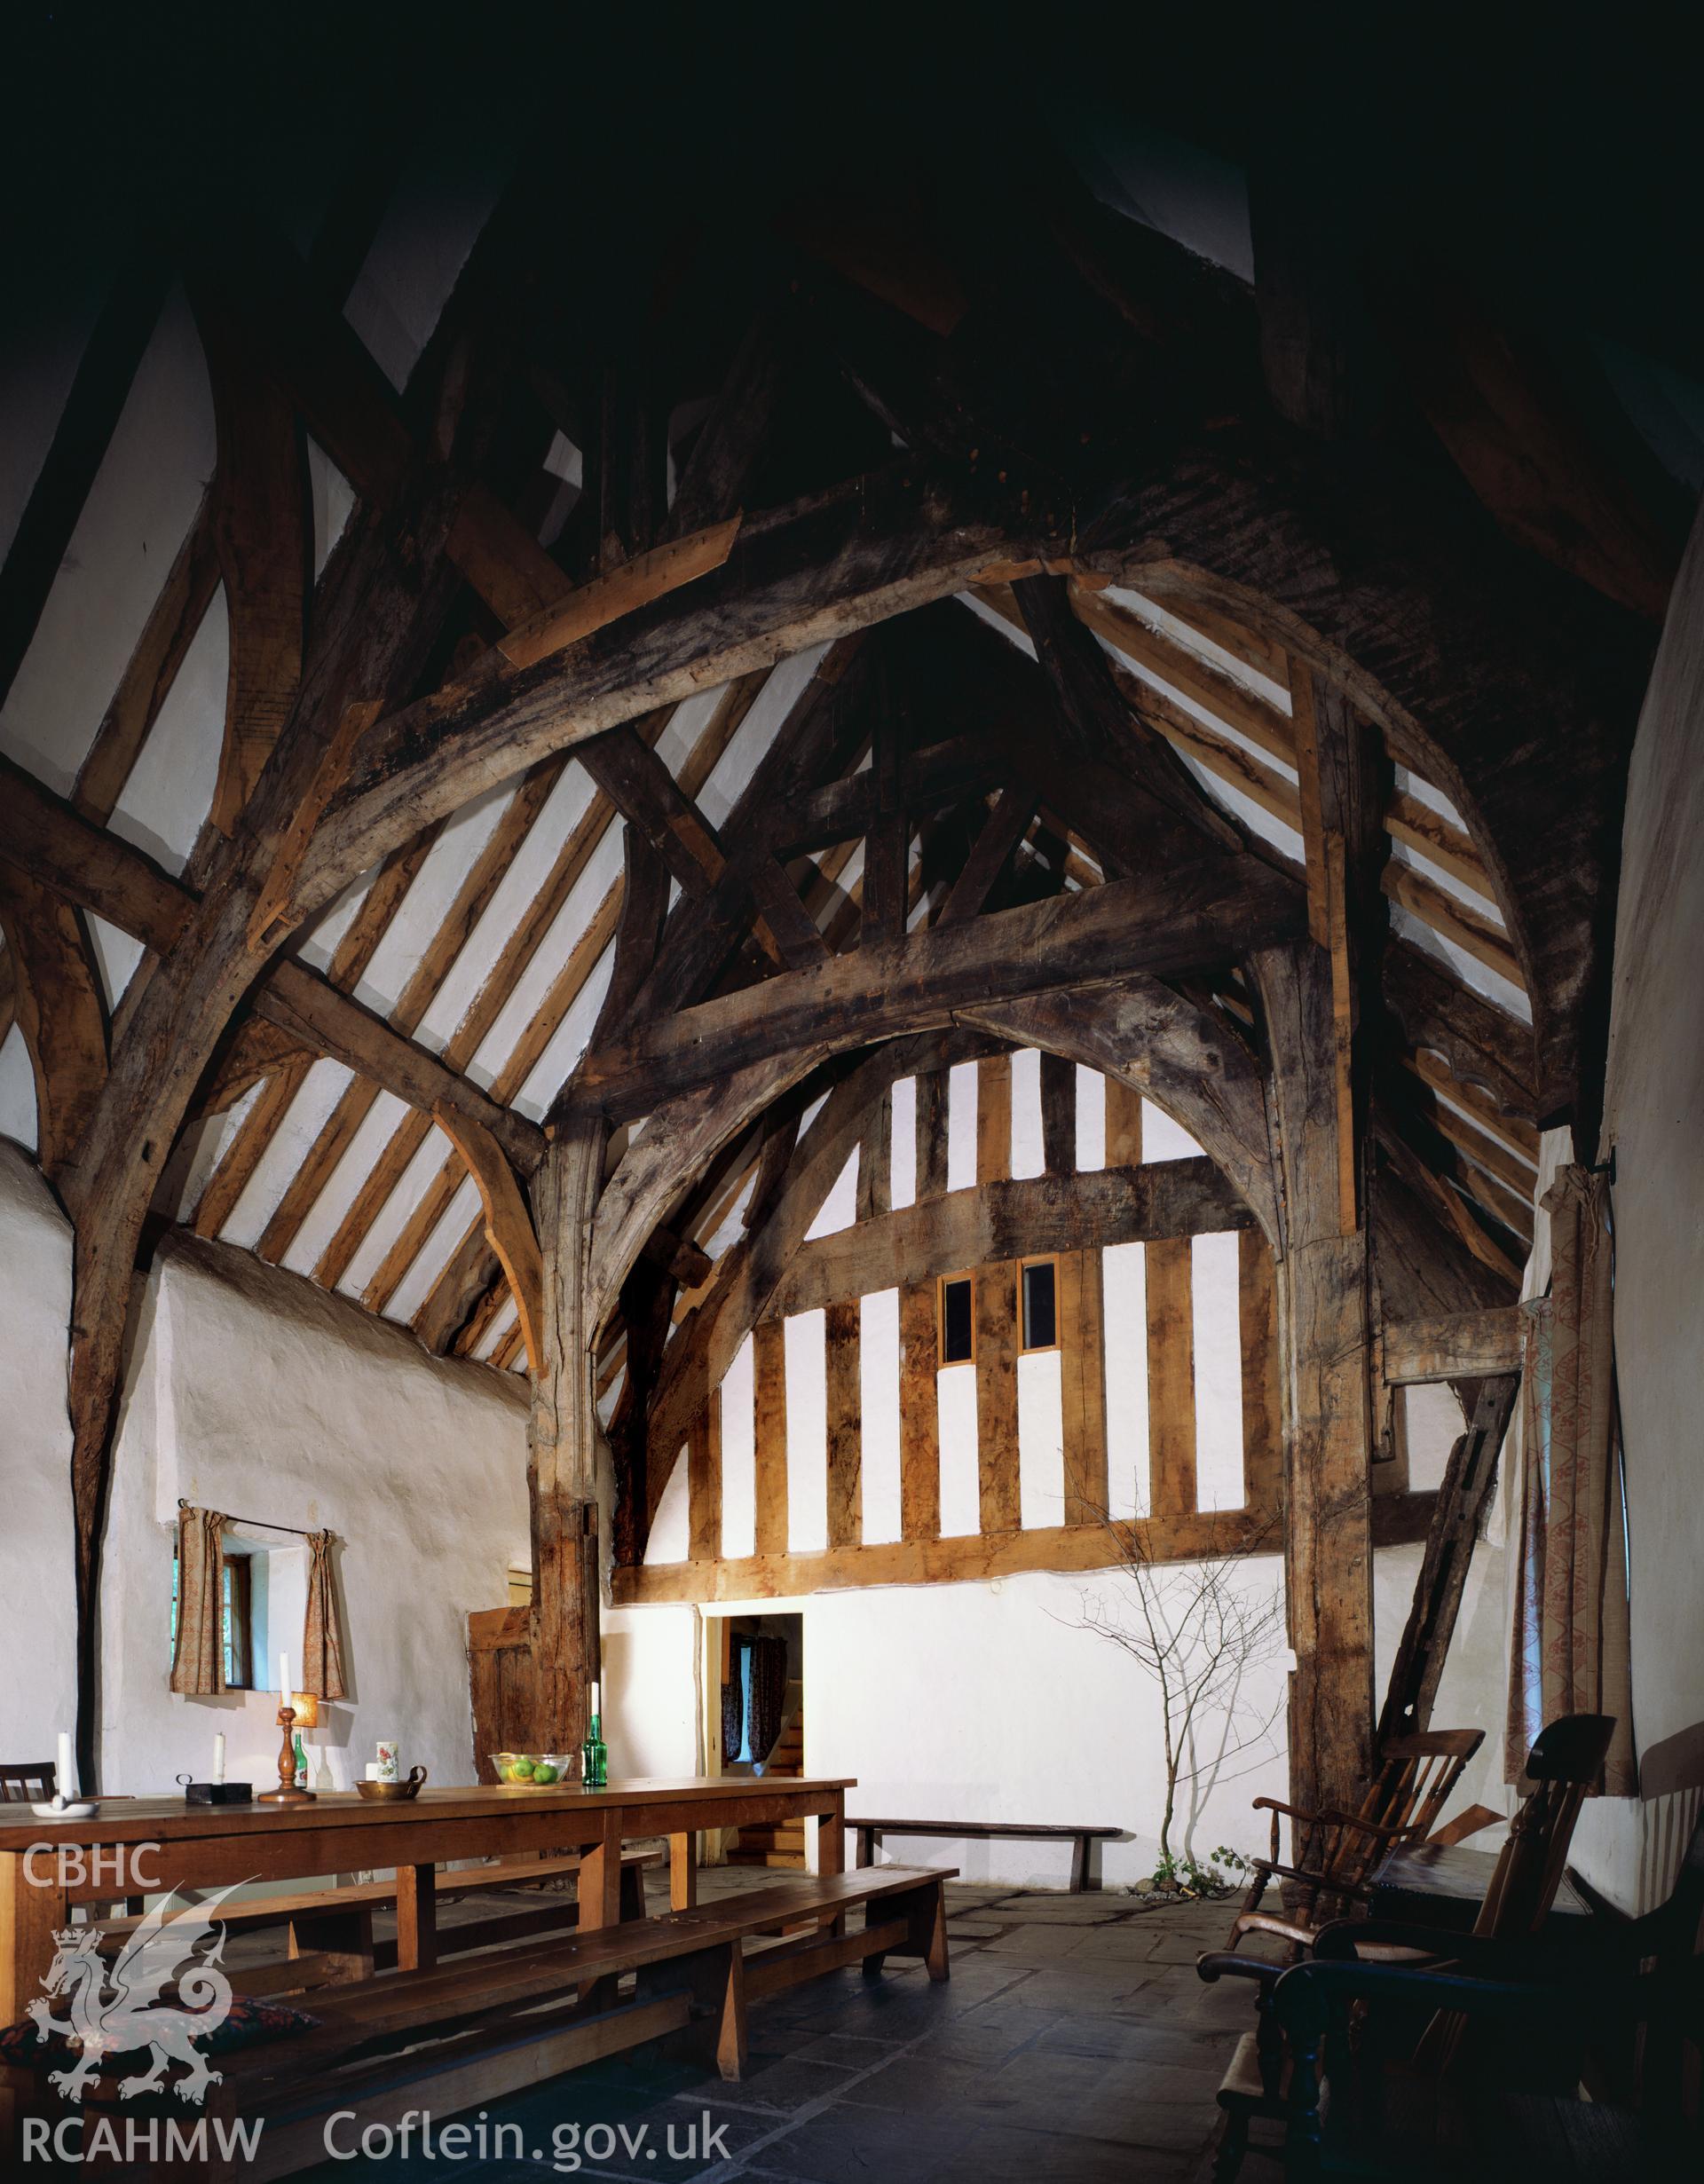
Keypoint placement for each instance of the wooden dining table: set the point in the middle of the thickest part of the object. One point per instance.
(135, 1846)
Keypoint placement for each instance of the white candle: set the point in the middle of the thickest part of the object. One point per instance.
(66, 1776)
(218, 1757)
(283, 1679)
(595, 1707)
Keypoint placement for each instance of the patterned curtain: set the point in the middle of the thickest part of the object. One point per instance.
(322, 1645)
(769, 1693)
(1570, 1646)
(197, 1655)
(733, 1712)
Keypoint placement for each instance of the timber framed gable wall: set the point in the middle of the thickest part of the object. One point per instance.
(1058, 1483)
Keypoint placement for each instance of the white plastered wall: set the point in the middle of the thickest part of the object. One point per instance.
(988, 1699)
(254, 1394)
(1631, 1848)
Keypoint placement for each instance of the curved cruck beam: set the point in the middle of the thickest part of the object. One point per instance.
(59, 1009)
(678, 1139)
(1174, 1053)
(1147, 1036)
(1517, 689)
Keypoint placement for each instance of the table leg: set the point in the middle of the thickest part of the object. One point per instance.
(600, 1876)
(416, 1918)
(30, 1914)
(682, 1872)
(831, 1837)
(831, 1848)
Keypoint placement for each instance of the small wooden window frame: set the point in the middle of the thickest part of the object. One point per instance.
(943, 1282)
(1039, 1349)
(242, 1622)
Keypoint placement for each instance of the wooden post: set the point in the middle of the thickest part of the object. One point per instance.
(704, 1482)
(1082, 1386)
(843, 1367)
(1058, 1114)
(997, 1396)
(770, 1376)
(920, 1336)
(1325, 1341)
(920, 1416)
(562, 1454)
(994, 1118)
(1124, 1124)
(997, 1317)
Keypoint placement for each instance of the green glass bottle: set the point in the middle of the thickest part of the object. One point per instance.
(594, 1754)
(301, 1762)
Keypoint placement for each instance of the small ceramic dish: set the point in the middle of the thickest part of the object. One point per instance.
(393, 1792)
(83, 1812)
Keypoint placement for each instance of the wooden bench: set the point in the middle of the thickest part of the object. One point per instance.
(330, 1930)
(499, 2022)
(871, 1832)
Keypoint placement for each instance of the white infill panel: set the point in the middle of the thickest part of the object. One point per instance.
(879, 1407)
(807, 1434)
(1219, 1371)
(739, 1458)
(1124, 1268)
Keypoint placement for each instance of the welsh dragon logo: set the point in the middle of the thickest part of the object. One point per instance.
(116, 2009)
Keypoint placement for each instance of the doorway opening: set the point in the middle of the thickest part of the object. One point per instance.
(755, 1695)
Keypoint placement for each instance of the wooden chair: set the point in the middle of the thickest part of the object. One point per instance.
(1563, 1764)
(1620, 2003)
(1336, 1851)
(28, 1782)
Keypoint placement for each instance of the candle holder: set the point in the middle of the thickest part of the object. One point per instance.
(287, 1793)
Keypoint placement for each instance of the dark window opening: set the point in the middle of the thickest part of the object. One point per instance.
(958, 1340)
(1041, 1306)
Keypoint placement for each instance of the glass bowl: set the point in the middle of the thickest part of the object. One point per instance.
(539, 1771)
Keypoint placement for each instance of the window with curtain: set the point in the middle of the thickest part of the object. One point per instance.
(236, 1619)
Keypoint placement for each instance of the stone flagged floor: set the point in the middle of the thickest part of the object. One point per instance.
(1074, 2043)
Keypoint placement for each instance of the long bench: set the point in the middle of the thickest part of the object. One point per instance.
(871, 1832)
(330, 1930)
(499, 2022)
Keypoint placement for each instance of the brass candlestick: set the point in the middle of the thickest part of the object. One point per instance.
(287, 1793)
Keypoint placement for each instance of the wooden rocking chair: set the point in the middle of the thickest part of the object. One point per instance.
(1550, 2008)
(1563, 1763)
(1336, 1851)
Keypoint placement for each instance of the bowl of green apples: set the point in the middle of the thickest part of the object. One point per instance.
(535, 1771)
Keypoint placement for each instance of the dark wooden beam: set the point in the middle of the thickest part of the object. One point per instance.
(1483, 1046)
(60, 1011)
(1188, 918)
(42, 835)
(1328, 1426)
(793, 579)
(1030, 1217)
(1458, 1345)
(1098, 725)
